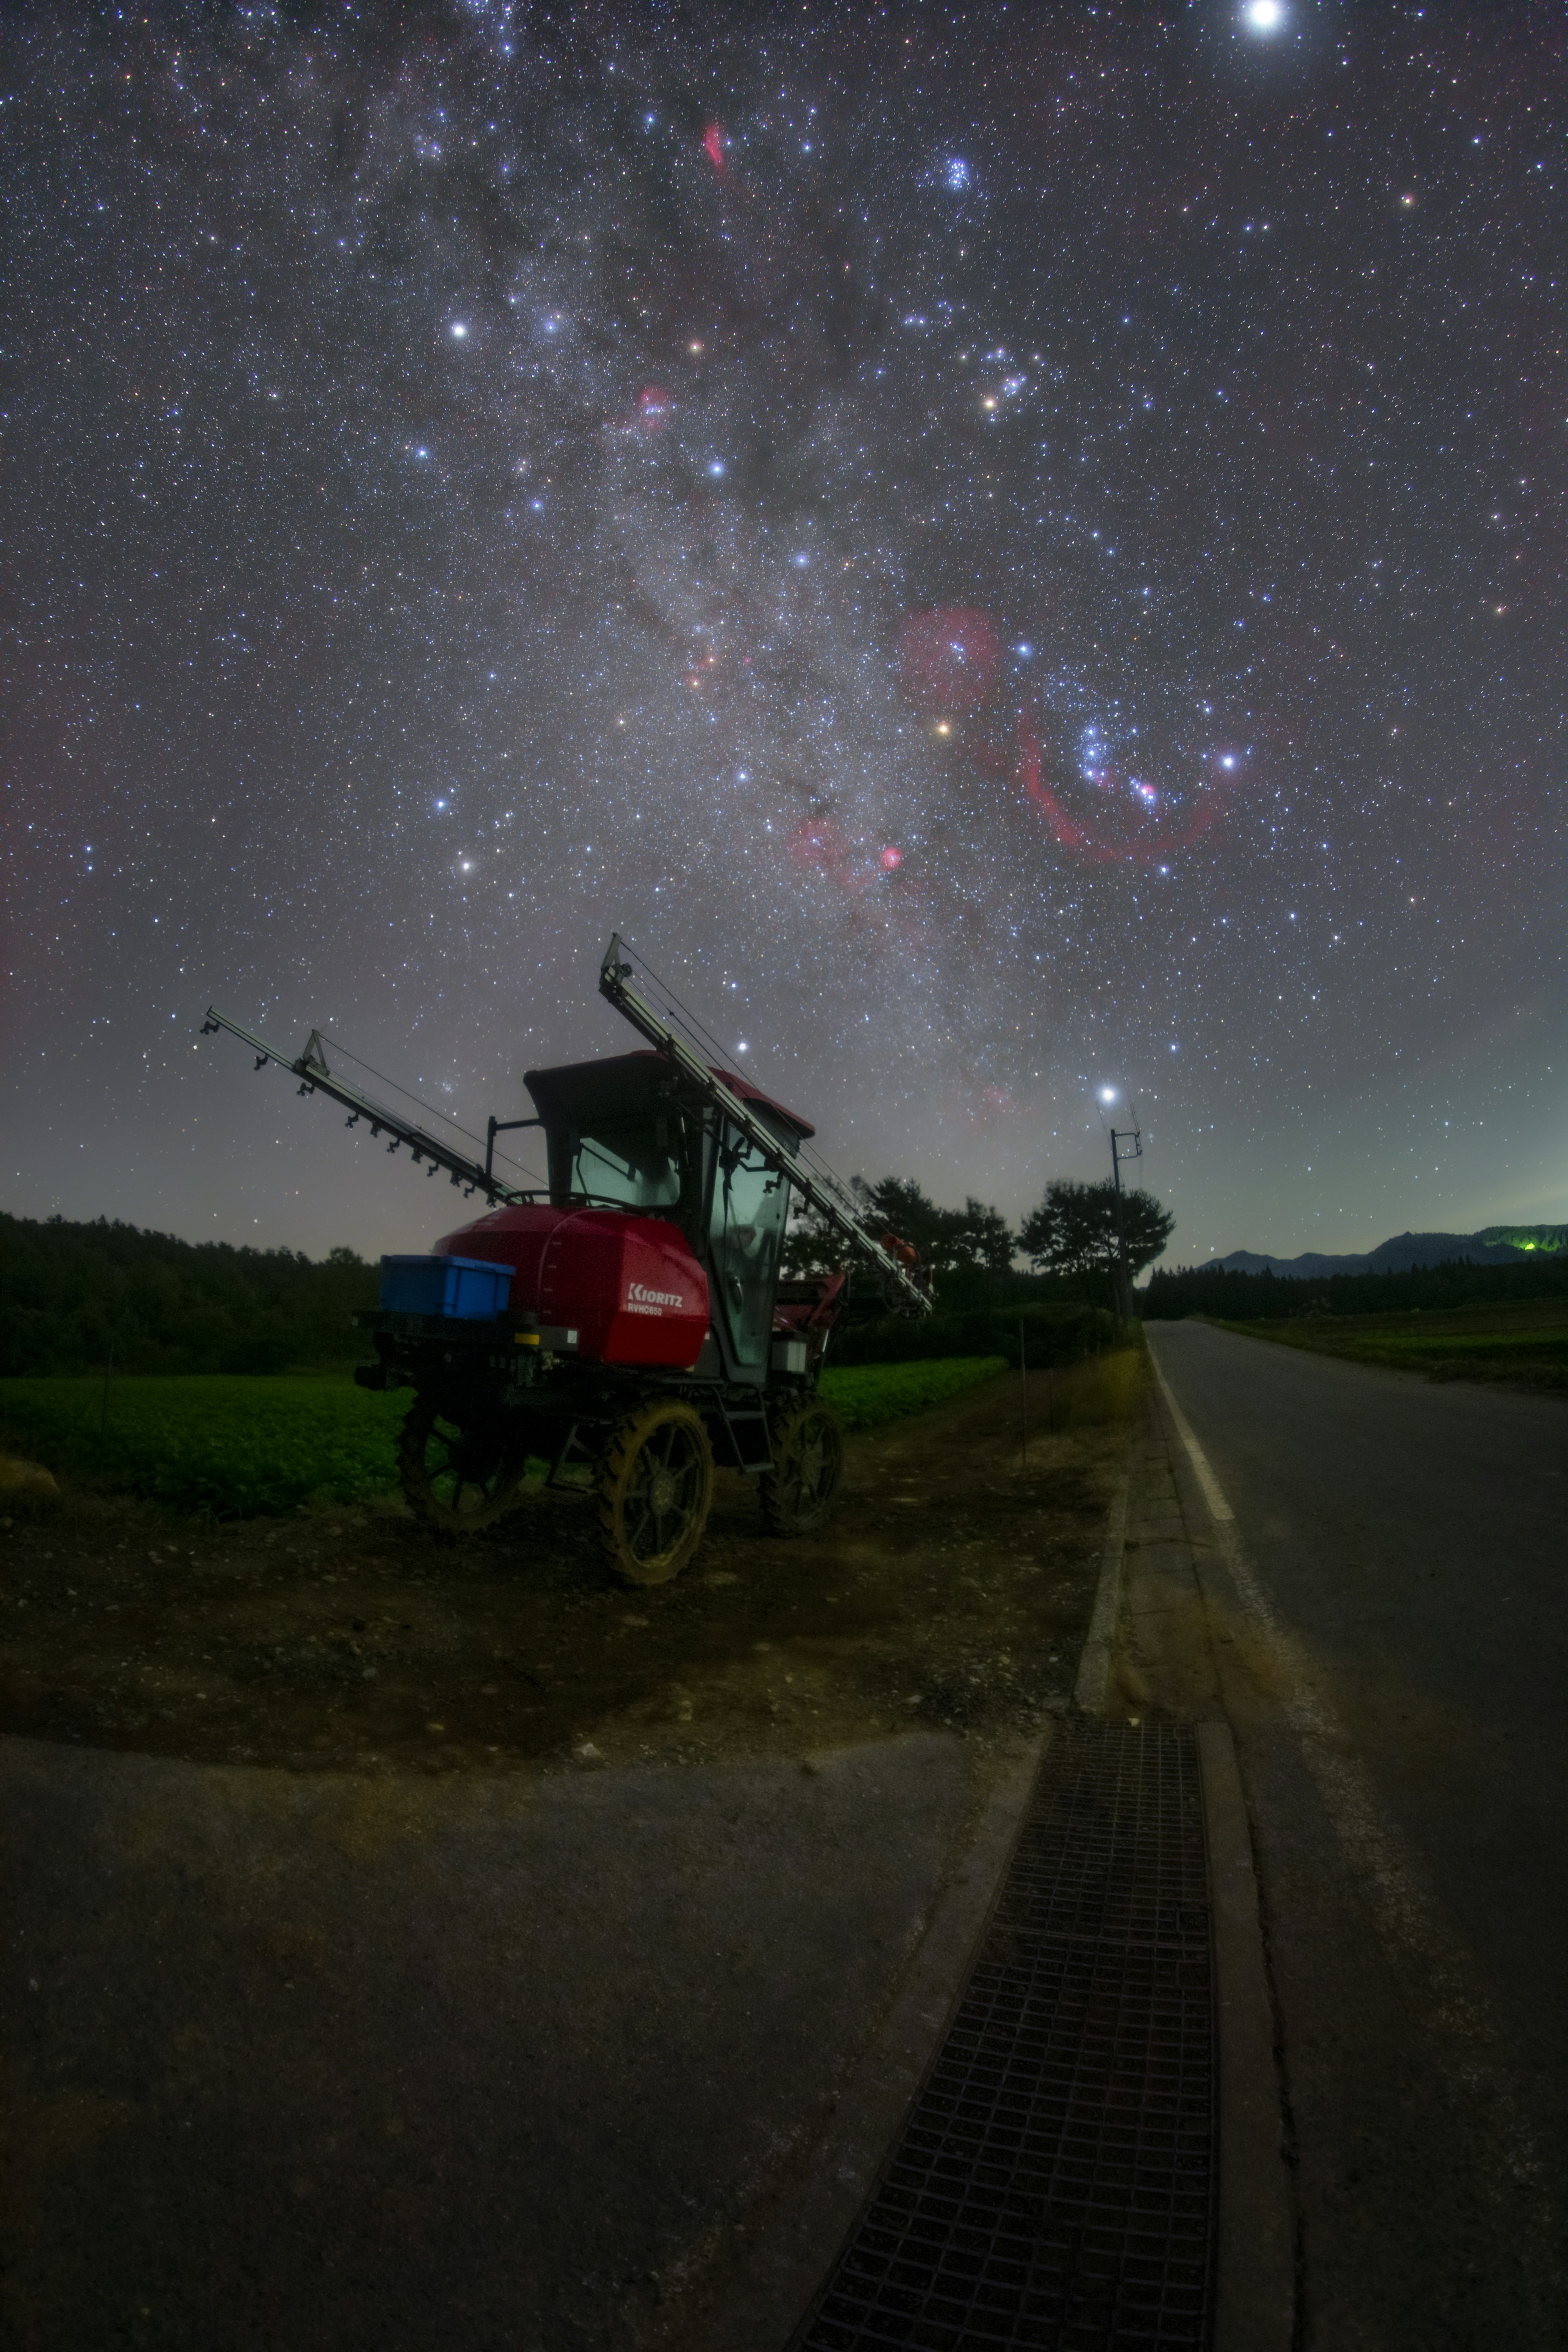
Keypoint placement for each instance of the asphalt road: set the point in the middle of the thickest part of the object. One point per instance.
(1397, 1668)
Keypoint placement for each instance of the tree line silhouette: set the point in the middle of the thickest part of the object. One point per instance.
(75, 1296)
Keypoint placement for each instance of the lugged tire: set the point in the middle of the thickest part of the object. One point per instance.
(800, 1490)
(655, 1485)
(456, 1478)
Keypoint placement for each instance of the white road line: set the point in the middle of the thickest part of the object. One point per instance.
(1214, 1493)
(1408, 1921)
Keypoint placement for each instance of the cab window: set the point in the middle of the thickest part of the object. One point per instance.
(633, 1163)
(751, 1201)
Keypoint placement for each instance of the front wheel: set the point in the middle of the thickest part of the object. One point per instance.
(656, 1489)
(801, 1489)
(458, 1476)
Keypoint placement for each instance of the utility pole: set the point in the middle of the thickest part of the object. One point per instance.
(1126, 1143)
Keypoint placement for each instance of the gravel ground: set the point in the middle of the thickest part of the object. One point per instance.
(948, 1592)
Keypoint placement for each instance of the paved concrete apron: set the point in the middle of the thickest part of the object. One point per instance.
(324, 2062)
(1396, 1663)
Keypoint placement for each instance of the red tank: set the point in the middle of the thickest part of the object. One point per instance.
(629, 1286)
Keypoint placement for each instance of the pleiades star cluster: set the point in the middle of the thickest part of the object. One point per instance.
(1015, 553)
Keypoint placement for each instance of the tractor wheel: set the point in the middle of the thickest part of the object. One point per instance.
(801, 1489)
(458, 1476)
(655, 1482)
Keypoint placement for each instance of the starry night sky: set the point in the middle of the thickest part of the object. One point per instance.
(1010, 552)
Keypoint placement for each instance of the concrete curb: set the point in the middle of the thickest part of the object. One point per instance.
(1099, 1643)
(1255, 2268)
(1254, 2258)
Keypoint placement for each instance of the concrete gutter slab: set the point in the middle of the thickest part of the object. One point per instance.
(402, 2063)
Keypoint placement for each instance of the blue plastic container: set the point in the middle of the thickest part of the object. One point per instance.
(473, 1289)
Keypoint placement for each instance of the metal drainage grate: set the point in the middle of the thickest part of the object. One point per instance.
(1054, 2185)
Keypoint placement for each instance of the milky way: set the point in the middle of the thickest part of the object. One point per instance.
(1008, 557)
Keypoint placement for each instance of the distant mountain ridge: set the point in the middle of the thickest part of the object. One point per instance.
(1493, 1245)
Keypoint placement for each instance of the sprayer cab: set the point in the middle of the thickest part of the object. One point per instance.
(660, 1243)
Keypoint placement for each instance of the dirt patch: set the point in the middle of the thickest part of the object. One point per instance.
(952, 1589)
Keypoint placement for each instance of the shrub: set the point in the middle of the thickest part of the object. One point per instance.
(1055, 1333)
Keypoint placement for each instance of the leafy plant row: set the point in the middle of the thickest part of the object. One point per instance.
(865, 1396)
(237, 1447)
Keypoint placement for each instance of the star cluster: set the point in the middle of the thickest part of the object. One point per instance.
(1007, 551)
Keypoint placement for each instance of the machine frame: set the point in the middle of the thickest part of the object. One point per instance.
(490, 1396)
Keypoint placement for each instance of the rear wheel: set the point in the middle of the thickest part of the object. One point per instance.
(458, 1475)
(801, 1489)
(656, 1489)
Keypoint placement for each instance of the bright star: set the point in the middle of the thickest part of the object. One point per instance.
(1264, 16)
(1107, 1093)
(458, 330)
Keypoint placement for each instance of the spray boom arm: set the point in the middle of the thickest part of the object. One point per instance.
(310, 1068)
(816, 1189)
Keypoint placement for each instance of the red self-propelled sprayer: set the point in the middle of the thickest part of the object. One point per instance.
(631, 1316)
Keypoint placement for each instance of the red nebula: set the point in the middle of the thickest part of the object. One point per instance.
(654, 404)
(947, 659)
(1133, 830)
(713, 144)
(823, 846)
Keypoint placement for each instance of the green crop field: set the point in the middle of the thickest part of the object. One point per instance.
(1524, 1343)
(864, 1396)
(237, 1447)
(1503, 1345)
(229, 1445)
